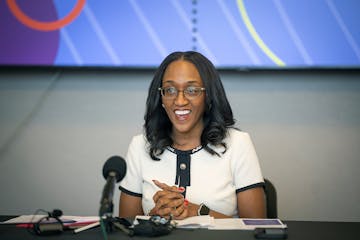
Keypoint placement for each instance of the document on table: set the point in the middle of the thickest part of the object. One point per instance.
(195, 222)
(225, 223)
(67, 220)
(246, 224)
(190, 222)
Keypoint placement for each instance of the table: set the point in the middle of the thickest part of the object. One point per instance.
(301, 230)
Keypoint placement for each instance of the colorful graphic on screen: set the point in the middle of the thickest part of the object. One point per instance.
(140, 33)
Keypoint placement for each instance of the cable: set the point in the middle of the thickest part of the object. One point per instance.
(21, 126)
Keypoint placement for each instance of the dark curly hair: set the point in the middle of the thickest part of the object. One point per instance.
(217, 117)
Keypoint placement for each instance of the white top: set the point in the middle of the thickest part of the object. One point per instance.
(214, 180)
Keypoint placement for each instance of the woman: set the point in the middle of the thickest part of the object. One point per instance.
(191, 160)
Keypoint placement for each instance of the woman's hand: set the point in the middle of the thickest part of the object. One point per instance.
(169, 201)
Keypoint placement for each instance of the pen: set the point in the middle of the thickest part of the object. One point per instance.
(87, 227)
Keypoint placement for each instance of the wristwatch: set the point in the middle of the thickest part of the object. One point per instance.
(203, 210)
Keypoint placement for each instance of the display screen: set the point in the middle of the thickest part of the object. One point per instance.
(140, 33)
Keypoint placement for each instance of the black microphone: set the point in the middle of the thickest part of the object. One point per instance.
(114, 171)
(56, 213)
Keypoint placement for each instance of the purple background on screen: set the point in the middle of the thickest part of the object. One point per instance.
(20, 44)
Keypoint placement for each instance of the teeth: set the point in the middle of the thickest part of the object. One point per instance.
(182, 112)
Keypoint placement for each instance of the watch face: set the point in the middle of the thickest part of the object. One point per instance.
(204, 210)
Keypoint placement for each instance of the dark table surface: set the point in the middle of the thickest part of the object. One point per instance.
(296, 230)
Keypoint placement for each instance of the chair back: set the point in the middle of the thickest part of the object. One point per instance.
(271, 199)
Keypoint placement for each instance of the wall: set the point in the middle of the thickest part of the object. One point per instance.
(58, 127)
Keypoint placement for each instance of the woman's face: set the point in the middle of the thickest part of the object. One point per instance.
(185, 113)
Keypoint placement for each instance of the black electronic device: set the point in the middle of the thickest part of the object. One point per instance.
(203, 210)
(270, 233)
(154, 226)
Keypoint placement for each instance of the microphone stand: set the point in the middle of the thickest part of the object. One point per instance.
(107, 207)
(114, 171)
(106, 211)
(120, 223)
(110, 223)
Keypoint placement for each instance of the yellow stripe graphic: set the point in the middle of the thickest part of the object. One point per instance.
(256, 36)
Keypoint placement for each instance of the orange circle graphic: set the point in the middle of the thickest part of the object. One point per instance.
(45, 26)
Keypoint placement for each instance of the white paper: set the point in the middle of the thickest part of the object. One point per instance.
(195, 222)
(36, 218)
(190, 222)
(245, 224)
(227, 224)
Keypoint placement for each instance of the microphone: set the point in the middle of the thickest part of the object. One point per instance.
(114, 171)
(56, 213)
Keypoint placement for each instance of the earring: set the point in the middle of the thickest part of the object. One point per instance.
(163, 105)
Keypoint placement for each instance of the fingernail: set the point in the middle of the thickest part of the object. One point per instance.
(181, 189)
(186, 202)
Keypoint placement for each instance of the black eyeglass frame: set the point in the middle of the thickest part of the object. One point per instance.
(185, 92)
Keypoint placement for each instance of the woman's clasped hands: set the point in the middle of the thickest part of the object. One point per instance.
(169, 201)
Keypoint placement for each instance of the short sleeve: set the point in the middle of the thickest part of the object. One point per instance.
(245, 163)
(132, 182)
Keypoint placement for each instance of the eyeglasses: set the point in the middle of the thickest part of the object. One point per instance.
(189, 92)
